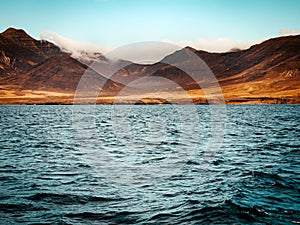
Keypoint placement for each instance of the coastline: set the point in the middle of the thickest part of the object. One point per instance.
(70, 101)
(16, 96)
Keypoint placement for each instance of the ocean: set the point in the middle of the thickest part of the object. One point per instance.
(150, 164)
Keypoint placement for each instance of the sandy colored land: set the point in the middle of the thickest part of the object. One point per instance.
(238, 95)
(15, 96)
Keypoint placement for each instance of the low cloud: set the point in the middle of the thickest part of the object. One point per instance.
(286, 32)
(87, 51)
(80, 50)
(224, 44)
(215, 45)
(77, 49)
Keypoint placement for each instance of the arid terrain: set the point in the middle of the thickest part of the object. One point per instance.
(38, 72)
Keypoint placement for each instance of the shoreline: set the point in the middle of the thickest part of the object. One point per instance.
(37, 97)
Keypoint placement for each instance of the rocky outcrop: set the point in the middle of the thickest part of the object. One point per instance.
(20, 52)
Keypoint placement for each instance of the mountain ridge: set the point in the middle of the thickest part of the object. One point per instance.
(268, 72)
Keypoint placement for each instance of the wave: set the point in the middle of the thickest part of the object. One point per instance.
(19, 207)
(123, 217)
(66, 199)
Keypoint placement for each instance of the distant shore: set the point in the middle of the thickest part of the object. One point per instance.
(70, 101)
(16, 96)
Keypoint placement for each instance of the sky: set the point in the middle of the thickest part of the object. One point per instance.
(209, 24)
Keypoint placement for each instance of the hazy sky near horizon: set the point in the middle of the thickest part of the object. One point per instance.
(119, 22)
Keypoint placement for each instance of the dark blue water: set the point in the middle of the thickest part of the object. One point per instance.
(99, 167)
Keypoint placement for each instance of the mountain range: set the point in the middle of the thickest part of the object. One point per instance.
(38, 72)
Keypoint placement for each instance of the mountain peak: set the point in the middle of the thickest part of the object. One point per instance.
(13, 32)
(189, 48)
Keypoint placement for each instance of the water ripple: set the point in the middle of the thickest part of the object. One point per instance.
(54, 173)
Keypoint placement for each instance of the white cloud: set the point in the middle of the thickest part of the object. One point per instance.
(146, 52)
(286, 32)
(216, 45)
(85, 51)
(225, 44)
(77, 49)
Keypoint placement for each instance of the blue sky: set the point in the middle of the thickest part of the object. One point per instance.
(118, 22)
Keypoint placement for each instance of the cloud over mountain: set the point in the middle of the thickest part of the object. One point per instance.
(85, 50)
(286, 32)
(216, 45)
(77, 49)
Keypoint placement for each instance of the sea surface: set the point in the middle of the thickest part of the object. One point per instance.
(150, 164)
